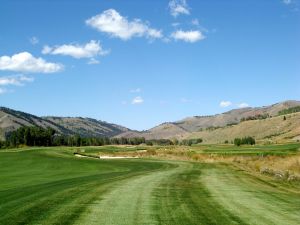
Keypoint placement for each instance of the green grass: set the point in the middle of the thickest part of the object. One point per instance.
(52, 186)
(37, 186)
(256, 201)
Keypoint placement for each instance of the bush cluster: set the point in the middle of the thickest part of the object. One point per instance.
(256, 117)
(244, 141)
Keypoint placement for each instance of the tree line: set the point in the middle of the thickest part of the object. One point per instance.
(38, 136)
(174, 141)
(256, 117)
(289, 110)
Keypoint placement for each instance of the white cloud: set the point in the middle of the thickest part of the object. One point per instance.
(88, 50)
(287, 2)
(225, 104)
(3, 91)
(188, 36)
(137, 90)
(137, 100)
(178, 7)
(16, 80)
(166, 40)
(27, 63)
(195, 22)
(111, 22)
(243, 105)
(46, 50)
(34, 40)
(93, 61)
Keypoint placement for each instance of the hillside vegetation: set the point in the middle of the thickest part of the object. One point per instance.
(275, 129)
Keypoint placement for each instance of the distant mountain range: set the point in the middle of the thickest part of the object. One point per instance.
(183, 128)
(197, 126)
(11, 120)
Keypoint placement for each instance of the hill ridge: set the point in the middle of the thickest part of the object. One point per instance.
(11, 119)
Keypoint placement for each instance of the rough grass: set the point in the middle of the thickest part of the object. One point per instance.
(256, 201)
(277, 160)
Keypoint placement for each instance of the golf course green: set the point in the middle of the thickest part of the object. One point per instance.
(52, 186)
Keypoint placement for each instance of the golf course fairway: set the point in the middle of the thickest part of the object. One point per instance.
(51, 186)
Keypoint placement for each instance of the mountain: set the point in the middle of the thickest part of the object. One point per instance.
(12, 119)
(183, 128)
(275, 129)
(216, 128)
(87, 126)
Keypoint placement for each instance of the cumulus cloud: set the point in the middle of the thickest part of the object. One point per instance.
(243, 105)
(27, 63)
(88, 50)
(178, 7)
(16, 80)
(188, 36)
(34, 40)
(137, 100)
(225, 104)
(114, 24)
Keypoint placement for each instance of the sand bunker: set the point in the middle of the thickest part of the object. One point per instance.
(117, 157)
(81, 156)
(106, 157)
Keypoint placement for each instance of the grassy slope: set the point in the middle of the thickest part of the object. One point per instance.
(50, 186)
(275, 129)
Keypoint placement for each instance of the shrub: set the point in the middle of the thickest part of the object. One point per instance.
(244, 141)
(256, 117)
(159, 142)
(190, 142)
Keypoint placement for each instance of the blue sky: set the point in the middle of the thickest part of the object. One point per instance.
(140, 63)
